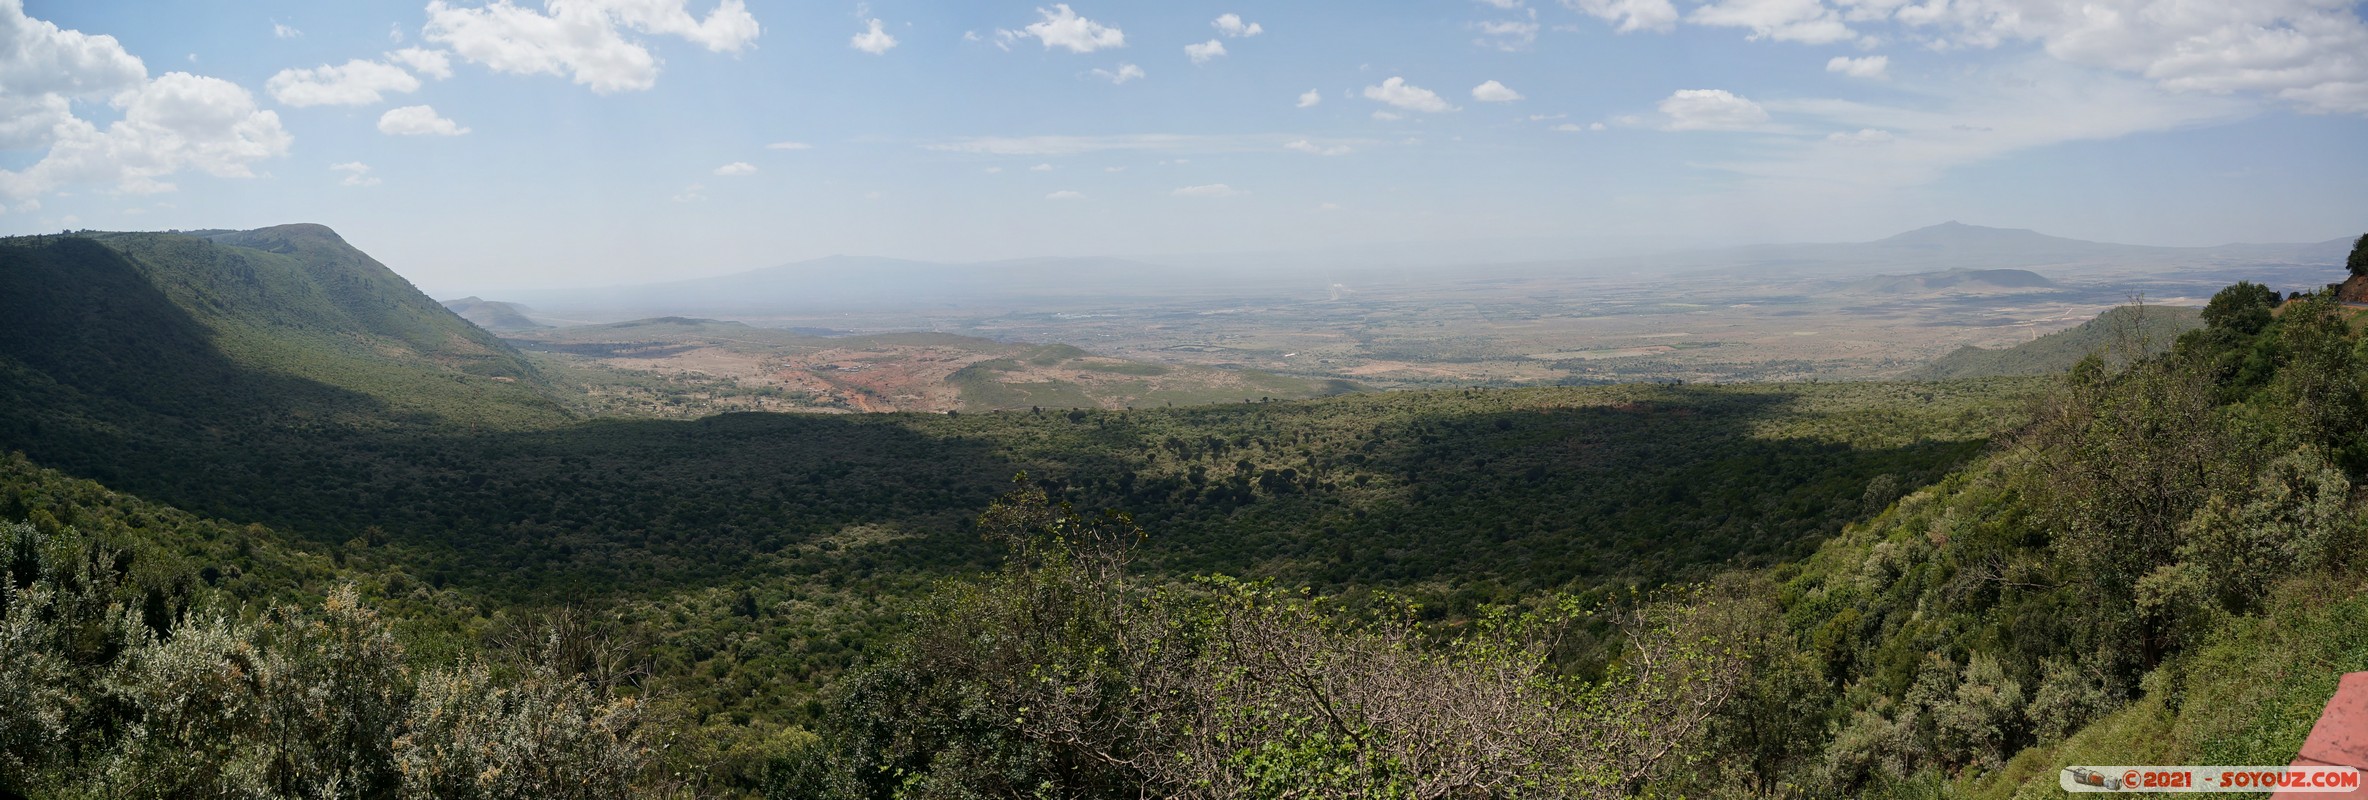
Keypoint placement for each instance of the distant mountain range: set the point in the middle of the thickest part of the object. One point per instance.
(856, 283)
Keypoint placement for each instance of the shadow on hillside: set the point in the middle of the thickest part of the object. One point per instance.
(113, 382)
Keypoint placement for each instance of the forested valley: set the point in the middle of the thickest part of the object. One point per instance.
(278, 526)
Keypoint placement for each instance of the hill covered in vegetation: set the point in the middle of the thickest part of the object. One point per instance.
(2115, 335)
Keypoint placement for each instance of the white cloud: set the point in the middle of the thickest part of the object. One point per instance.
(691, 194)
(1327, 206)
(1201, 53)
(177, 121)
(1804, 21)
(1232, 25)
(1397, 92)
(1065, 194)
(1510, 35)
(1388, 116)
(356, 174)
(584, 39)
(44, 68)
(1209, 190)
(2308, 52)
(736, 169)
(789, 146)
(1311, 148)
(1507, 5)
(1494, 92)
(417, 121)
(1712, 110)
(994, 170)
(355, 83)
(1630, 15)
(874, 40)
(1138, 142)
(432, 63)
(1310, 97)
(1063, 28)
(1864, 136)
(1573, 127)
(1118, 77)
(1867, 67)
(1041, 168)
(285, 31)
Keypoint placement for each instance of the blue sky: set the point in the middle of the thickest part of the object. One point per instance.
(479, 146)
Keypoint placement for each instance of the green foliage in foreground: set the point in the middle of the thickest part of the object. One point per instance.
(2162, 569)
(110, 691)
(1063, 674)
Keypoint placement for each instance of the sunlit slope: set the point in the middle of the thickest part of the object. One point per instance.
(2112, 335)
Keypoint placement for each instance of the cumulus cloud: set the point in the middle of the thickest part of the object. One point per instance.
(1125, 72)
(1207, 190)
(433, 63)
(1397, 92)
(1232, 26)
(736, 169)
(356, 174)
(1494, 92)
(417, 121)
(283, 30)
(1311, 148)
(1062, 27)
(1804, 21)
(1065, 194)
(1201, 53)
(1041, 168)
(1310, 97)
(874, 40)
(1509, 35)
(1629, 16)
(355, 83)
(1712, 110)
(177, 121)
(1573, 127)
(789, 146)
(586, 40)
(1867, 67)
(2306, 52)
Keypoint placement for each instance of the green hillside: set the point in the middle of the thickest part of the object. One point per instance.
(169, 348)
(2147, 328)
(1872, 589)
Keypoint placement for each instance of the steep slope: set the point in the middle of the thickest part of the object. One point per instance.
(168, 347)
(2154, 327)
